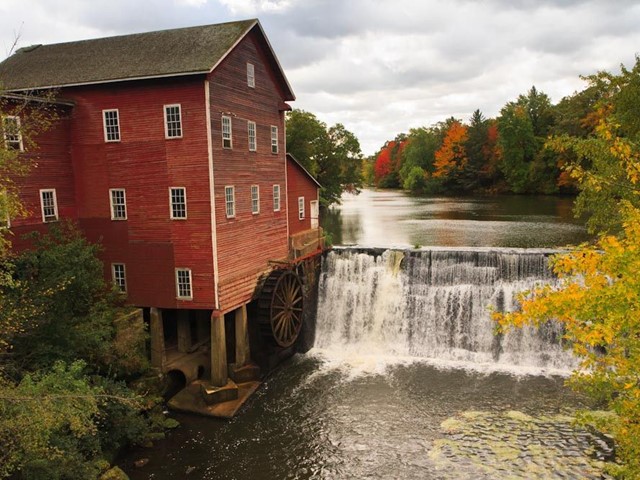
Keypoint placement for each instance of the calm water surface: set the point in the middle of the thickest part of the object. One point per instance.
(393, 218)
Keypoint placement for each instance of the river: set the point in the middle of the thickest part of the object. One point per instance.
(392, 218)
(406, 379)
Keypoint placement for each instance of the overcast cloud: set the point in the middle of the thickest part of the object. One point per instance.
(380, 67)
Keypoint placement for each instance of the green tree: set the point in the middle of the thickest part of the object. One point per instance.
(524, 125)
(67, 311)
(50, 423)
(332, 154)
(605, 161)
(476, 148)
(420, 151)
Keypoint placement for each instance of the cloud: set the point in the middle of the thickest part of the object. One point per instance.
(382, 67)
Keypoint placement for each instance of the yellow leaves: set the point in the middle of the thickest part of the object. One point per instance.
(598, 302)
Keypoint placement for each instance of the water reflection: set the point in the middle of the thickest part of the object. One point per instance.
(392, 218)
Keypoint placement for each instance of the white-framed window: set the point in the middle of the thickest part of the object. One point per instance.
(119, 276)
(274, 139)
(300, 208)
(11, 133)
(251, 133)
(226, 132)
(172, 121)
(178, 202)
(183, 284)
(118, 200)
(230, 201)
(276, 198)
(111, 123)
(49, 205)
(5, 219)
(251, 75)
(255, 199)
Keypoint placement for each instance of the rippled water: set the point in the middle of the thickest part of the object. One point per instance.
(314, 419)
(393, 218)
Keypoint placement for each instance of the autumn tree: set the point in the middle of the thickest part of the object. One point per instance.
(389, 163)
(331, 154)
(605, 160)
(597, 299)
(383, 167)
(451, 159)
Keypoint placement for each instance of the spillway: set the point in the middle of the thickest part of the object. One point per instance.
(435, 304)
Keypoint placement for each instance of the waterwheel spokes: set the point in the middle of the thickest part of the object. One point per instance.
(286, 309)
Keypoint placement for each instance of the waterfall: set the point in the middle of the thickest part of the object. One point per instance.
(434, 304)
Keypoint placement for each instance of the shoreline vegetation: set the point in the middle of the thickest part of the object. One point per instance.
(531, 147)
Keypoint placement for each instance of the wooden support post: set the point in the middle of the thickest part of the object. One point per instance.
(184, 331)
(219, 375)
(156, 330)
(242, 337)
(202, 325)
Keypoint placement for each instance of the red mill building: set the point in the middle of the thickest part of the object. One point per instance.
(170, 152)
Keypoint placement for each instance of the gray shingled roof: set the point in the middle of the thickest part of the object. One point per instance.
(153, 54)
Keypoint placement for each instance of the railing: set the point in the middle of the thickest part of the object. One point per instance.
(304, 243)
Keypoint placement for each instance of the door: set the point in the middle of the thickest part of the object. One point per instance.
(315, 213)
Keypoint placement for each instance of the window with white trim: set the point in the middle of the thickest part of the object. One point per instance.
(251, 75)
(274, 139)
(230, 201)
(49, 205)
(119, 276)
(178, 202)
(251, 133)
(118, 199)
(183, 284)
(276, 198)
(11, 133)
(111, 123)
(226, 132)
(300, 208)
(255, 199)
(172, 121)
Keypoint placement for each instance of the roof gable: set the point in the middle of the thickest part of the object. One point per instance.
(165, 53)
(294, 161)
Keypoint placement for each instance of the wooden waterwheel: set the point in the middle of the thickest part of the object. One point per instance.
(280, 307)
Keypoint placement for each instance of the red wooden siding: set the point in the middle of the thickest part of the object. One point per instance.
(145, 164)
(299, 185)
(247, 242)
(50, 168)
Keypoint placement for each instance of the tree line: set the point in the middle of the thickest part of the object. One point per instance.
(507, 154)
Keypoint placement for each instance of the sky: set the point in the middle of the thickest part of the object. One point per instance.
(380, 67)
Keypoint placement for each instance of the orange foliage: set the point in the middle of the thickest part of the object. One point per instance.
(451, 158)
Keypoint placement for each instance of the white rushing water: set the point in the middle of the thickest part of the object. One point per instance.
(382, 307)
